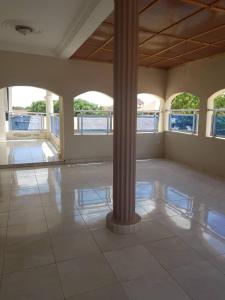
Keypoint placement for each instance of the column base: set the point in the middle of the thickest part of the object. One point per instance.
(122, 229)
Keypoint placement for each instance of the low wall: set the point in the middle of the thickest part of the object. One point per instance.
(26, 135)
(203, 153)
(89, 148)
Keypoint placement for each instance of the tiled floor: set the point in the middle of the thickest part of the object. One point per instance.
(54, 244)
(27, 151)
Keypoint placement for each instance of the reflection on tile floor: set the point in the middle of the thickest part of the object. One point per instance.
(27, 151)
(54, 244)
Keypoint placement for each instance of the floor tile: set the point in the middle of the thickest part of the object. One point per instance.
(144, 289)
(114, 292)
(65, 225)
(134, 262)
(201, 281)
(3, 219)
(34, 284)
(108, 240)
(26, 232)
(173, 253)
(25, 202)
(27, 151)
(4, 207)
(73, 246)
(96, 220)
(85, 274)
(26, 216)
(152, 231)
(219, 262)
(27, 254)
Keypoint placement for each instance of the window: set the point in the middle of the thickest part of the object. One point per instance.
(93, 113)
(148, 113)
(218, 116)
(184, 113)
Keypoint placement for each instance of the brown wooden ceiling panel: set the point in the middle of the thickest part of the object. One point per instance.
(204, 52)
(84, 51)
(206, 1)
(147, 61)
(169, 63)
(212, 37)
(164, 13)
(182, 48)
(105, 56)
(199, 23)
(221, 4)
(158, 43)
(171, 32)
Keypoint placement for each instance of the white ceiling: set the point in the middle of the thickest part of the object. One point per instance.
(63, 24)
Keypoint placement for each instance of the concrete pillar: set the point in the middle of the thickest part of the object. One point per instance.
(49, 109)
(3, 109)
(123, 219)
(10, 99)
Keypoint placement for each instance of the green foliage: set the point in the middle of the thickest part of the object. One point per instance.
(219, 102)
(37, 106)
(80, 104)
(56, 106)
(185, 100)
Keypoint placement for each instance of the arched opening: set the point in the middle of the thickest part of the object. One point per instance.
(30, 125)
(215, 124)
(149, 113)
(182, 113)
(93, 113)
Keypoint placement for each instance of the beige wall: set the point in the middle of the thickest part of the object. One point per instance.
(71, 78)
(202, 78)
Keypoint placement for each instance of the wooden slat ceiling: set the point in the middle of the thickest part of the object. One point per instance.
(171, 33)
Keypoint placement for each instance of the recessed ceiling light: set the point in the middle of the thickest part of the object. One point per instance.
(23, 29)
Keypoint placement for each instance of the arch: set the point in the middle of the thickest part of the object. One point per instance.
(27, 83)
(57, 137)
(152, 103)
(212, 111)
(182, 108)
(103, 98)
(93, 113)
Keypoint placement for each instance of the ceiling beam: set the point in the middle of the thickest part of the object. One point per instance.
(191, 39)
(211, 6)
(88, 20)
(147, 7)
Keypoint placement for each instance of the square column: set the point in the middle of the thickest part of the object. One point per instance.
(49, 109)
(123, 219)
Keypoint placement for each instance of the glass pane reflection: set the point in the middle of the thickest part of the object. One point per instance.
(144, 190)
(216, 223)
(179, 200)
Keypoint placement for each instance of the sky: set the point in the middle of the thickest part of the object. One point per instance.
(24, 96)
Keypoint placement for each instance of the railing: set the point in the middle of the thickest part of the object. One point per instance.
(147, 121)
(26, 122)
(218, 123)
(101, 122)
(55, 124)
(184, 120)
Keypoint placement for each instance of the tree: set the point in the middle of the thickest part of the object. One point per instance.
(80, 104)
(219, 101)
(185, 100)
(37, 106)
(56, 106)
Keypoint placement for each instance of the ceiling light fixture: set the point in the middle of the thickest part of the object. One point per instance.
(23, 29)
